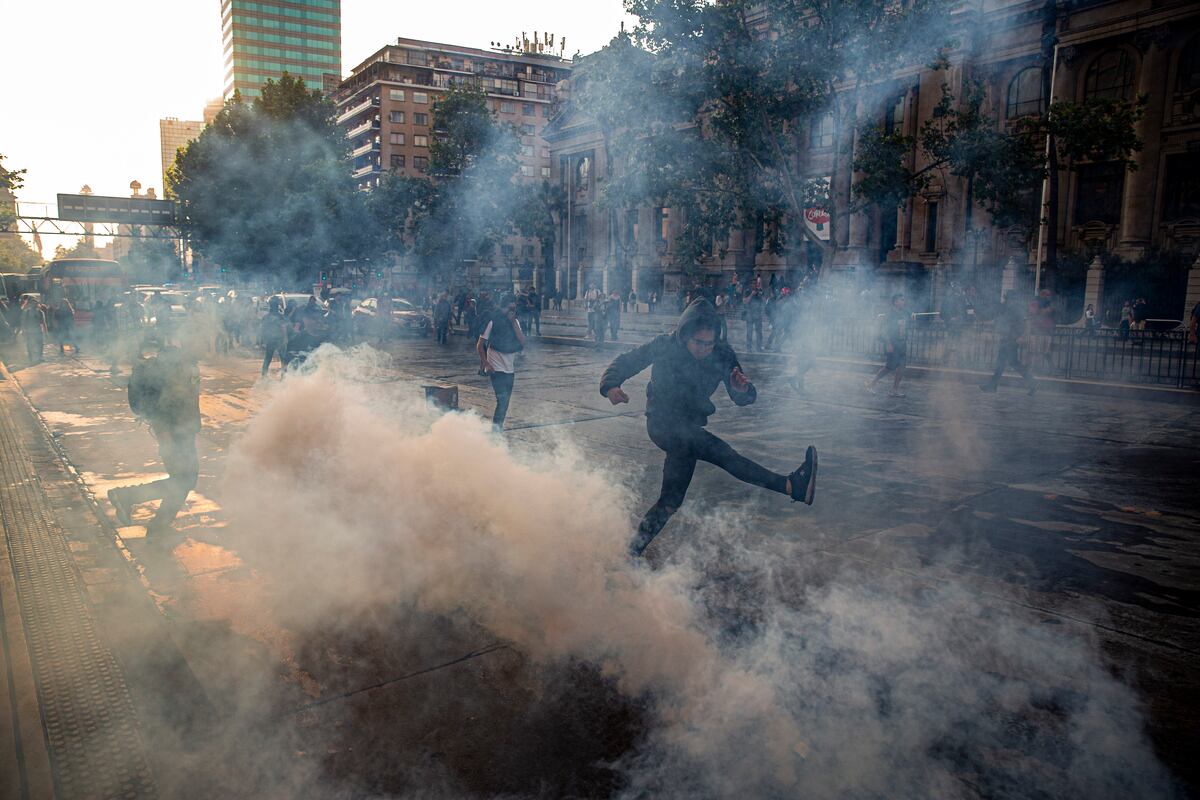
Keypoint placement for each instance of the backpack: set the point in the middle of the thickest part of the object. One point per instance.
(145, 388)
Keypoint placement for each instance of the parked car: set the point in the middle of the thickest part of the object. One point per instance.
(406, 317)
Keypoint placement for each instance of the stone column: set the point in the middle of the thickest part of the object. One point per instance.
(939, 285)
(1137, 207)
(1093, 292)
(1010, 276)
(1192, 294)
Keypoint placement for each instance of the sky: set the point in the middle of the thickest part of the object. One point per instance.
(86, 81)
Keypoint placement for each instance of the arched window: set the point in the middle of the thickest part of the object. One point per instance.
(1110, 77)
(1188, 77)
(1025, 93)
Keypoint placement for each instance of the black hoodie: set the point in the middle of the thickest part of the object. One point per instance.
(680, 384)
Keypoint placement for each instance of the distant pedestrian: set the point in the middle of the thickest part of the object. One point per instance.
(62, 324)
(272, 334)
(33, 329)
(498, 344)
(895, 346)
(592, 300)
(633, 301)
(1011, 324)
(164, 390)
(652, 302)
(535, 311)
(613, 314)
(753, 313)
(1089, 318)
(442, 313)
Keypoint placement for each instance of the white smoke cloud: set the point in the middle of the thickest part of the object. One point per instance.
(834, 687)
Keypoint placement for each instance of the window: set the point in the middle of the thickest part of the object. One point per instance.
(420, 98)
(1110, 77)
(1025, 94)
(396, 94)
(545, 152)
(821, 132)
(545, 172)
(1098, 193)
(527, 150)
(527, 109)
(893, 121)
(396, 138)
(664, 223)
(421, 162)
(420, 118)
(397, 162)
(1182, 196)
(507, 107)
(931, 227)
(1188, 77)
(396, 117)
(527, 129)
(546, 111)
(420, 140)
(583, 174)
(527, 170)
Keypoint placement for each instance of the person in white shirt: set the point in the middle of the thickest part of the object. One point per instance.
(499, 342)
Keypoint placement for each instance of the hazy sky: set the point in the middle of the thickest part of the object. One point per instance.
(86, 81)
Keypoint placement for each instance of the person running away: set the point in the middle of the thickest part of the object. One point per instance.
(686, 368)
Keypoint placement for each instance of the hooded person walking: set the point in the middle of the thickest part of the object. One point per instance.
(686, 368)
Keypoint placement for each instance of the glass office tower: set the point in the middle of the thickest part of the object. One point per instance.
(265, 39)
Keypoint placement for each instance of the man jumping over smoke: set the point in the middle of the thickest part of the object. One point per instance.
(687, 366)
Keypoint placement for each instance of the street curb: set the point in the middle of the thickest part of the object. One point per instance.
(1162, 394)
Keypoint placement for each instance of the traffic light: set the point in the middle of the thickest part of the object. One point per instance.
(324, 276)
(378, 273)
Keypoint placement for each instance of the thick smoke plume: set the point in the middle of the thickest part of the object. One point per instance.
(814, 685)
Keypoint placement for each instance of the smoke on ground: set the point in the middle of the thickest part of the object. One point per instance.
(372, 514)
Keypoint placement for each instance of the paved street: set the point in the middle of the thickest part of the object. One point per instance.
(1063, 514)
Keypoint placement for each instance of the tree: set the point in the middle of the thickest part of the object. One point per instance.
(16, 255)
(10, 181)
(469, 203)
(151, 260)
(267, 188)
(1004, 168)
(81, 249)
(713, 120)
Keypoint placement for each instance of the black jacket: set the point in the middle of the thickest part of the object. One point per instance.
(503, 338)
(681, 385)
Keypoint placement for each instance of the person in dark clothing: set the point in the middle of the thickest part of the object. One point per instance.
(441, 318)
(62, 322)
(33, 328)
(1010, 327)
(273, 335)
(754, 307)
(535, 311)
(165, 391)
(895, 346)
(686, 368)
(613, 313)
(499, 342)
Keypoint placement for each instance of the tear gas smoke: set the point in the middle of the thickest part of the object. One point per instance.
(827, 687)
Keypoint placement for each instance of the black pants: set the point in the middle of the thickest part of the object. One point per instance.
(443, 332)
(685, 444)
(269, 351)
(179, 457)
(537, 322)
(753, 330)
(35, 343)
(502, 385)
(1009, 355)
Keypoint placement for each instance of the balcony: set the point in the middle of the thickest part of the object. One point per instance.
(362, 150)
(365, 170)
(366, 127)
(370, 102)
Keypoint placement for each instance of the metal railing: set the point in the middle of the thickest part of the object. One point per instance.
(1164, 358)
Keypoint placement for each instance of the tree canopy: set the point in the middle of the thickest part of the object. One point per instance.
(266, 188)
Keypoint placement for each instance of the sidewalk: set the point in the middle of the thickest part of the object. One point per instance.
(70, 727)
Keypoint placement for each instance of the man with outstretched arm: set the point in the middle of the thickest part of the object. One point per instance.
(686, 368)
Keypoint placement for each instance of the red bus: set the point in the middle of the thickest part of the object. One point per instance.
(83, 281)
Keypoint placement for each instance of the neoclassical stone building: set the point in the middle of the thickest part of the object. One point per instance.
(1113, 49)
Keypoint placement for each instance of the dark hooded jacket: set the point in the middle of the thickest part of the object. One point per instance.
(680, 384)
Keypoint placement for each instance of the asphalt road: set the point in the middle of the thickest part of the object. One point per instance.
(1077, 513)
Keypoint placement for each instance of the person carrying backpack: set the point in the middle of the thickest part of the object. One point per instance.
(164, 391)
(498, 344)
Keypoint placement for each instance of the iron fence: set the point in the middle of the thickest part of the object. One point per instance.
(1163, 358)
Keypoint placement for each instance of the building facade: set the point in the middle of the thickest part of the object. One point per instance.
(173, 134)
(386, 107)
(262, 40)
(1105, 49)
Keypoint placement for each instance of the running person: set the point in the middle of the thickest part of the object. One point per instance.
(687, 366)
(895, 346)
